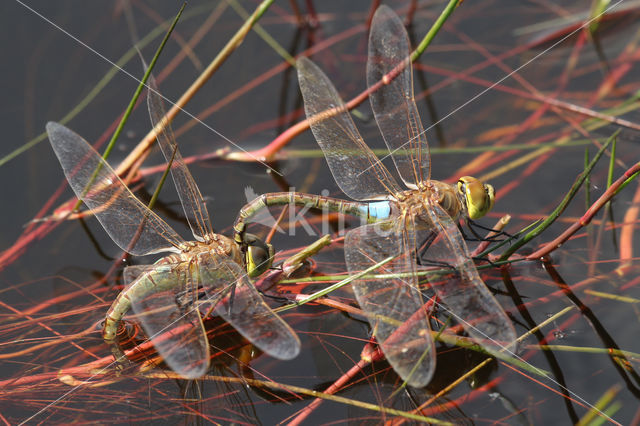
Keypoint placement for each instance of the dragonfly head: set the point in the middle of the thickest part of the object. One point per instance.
(478, 196)
(259, 255)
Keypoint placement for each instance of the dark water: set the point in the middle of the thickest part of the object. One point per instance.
(46, 74)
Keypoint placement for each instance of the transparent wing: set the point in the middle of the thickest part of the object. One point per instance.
(354, 166)
(243, 307)
(133, 272)
(166, 305)
(463, 291)
(393, 103)
(393, 305)
(129, 223)
(193, 204)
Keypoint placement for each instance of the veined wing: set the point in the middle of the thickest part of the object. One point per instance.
(193, 204)
(129, 223)
(463, 291)
(133, 272)
(393, 305)
(167, 307)
(393, 103)
(244, 308)
(354, 166)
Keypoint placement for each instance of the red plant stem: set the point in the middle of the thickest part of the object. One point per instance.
(41, 346)
(87, 369)
(12, 253)
(372, 10)
(267, 153)
(467, 397)
(336, 386)
(42, 378)
(626, 231)
(312, 14)
(331, 303)
(630, 284)
(43, 325)
(372, 356)
(30, 234)
(566, 30)
(586, 218)
(548, 101)
(579, 285)
(516, 76)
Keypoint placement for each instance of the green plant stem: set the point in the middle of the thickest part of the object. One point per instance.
(342, 283)
(132, 103)
(267, 152)
(561, 207)
(428, 38)
(264, 34)
(220, 58)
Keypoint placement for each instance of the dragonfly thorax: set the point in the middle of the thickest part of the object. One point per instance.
(429, 192)
(214, 244)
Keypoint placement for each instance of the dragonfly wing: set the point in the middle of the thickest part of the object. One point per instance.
(132, 272)
(354, 166)
(394, 305)
(129, 223)
(237, 301)
(167, 307)
(193, 204)
(393, 102)
(463, 291)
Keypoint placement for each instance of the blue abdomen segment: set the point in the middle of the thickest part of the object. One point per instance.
(378, 210)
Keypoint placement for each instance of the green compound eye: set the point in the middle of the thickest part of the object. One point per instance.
(259, 256)
(478, 196)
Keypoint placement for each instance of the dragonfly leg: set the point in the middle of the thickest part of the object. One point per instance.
(183, 300)
(496, 234)
(232, 297)
(279, 299)
(421, 251)
(120, 357)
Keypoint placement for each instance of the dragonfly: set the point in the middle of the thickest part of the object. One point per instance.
(416, 225)
(205, 274)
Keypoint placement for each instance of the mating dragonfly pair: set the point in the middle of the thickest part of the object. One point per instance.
(414, 228)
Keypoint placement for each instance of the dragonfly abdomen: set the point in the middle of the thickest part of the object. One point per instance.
(378, 210)
(143, 286)
(318, 202)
